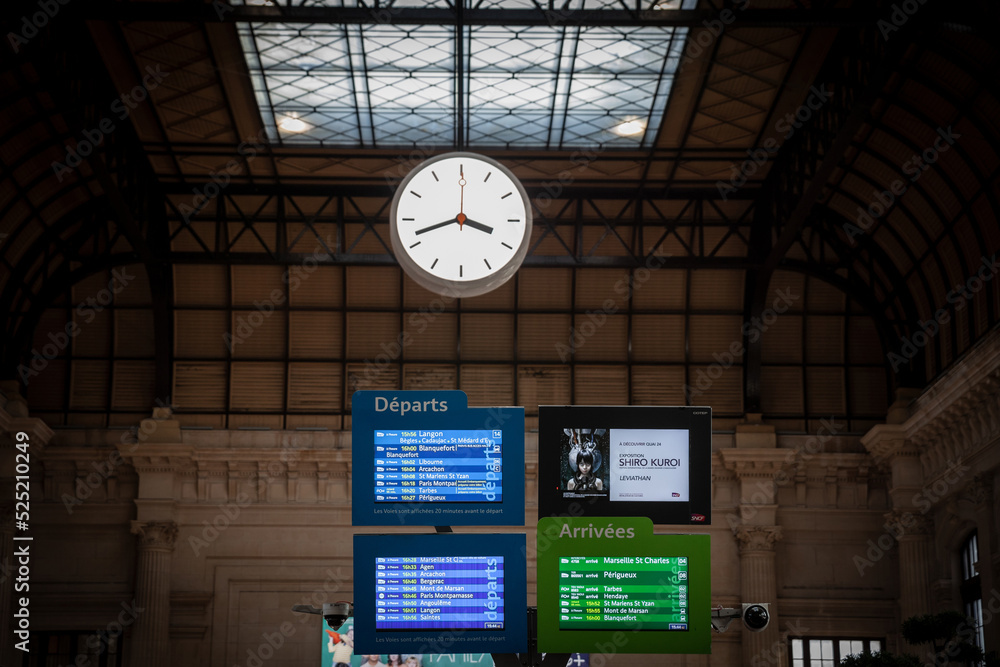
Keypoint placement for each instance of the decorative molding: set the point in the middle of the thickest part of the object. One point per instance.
(959, 413)
(189, 614)
(887, 441)
(756, 463)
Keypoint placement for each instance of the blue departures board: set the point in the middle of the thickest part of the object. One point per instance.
(449, 466)
(439, 593)
(425, 458)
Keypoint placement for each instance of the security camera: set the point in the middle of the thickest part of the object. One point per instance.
(335, 613)
(755, 616)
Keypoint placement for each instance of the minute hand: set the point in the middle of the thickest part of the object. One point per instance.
(478, 225)
(437, 226)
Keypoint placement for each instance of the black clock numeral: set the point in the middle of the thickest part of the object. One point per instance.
(434, 264)
(487, 177)
(505, 196)
(407, 219)
(459, 270)
(488, 264)
(415, 194)
(513, 220)
(435, 177)
(416, 244)
(506, 246)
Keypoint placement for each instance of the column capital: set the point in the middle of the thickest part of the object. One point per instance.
(909, 523)
(980, 490)
(155, 535)
(757, 538)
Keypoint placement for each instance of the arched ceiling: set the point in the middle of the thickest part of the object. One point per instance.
(836, 96)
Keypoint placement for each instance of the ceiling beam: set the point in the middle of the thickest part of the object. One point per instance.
(120, 167)
(215, 12)
(854, 76)
(553, 191)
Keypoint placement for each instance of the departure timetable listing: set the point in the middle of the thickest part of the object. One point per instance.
(602, 593)
(451, 466)
(439, 592)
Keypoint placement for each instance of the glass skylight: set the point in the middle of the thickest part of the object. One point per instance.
(388, 85)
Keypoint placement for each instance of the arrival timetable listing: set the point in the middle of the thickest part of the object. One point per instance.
(463, 466)
(439, 592)
(602, 592)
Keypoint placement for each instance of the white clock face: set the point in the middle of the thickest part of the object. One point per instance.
(461, 220)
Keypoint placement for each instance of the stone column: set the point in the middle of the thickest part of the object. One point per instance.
(759, 466)
(759, 584)
(907, 523)
(916, 554)
(150, 642)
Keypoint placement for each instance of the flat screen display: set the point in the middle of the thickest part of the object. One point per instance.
(615, 593)
(626, 461)
(441, 466)
(439, 593)
(614, 582)
(425, 458)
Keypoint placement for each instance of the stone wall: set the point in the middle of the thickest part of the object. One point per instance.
(210, 536)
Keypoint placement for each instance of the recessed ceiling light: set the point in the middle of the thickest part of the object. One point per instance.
(629, 128)
(292, 124)
(305, 62)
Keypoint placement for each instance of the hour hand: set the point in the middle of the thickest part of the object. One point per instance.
(437, 226)
(478, 225)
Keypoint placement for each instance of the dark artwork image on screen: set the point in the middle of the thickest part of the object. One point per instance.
(584, 465)
(625, 461)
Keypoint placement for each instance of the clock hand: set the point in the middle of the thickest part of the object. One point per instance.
(461, 200)
(433, 227)
(478, 225)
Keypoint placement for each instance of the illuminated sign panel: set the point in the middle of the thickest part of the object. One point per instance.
(440, 466)
(648, 465)
(440, 593)
(608, 461)
(613, 582)
(424, 458)
(608, 592)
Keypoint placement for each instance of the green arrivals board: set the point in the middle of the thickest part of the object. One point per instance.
(609, 585)
(596, 591)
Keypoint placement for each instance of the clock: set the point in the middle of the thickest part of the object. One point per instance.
(460, 224)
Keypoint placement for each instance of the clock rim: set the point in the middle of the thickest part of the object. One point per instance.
(444, 286)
